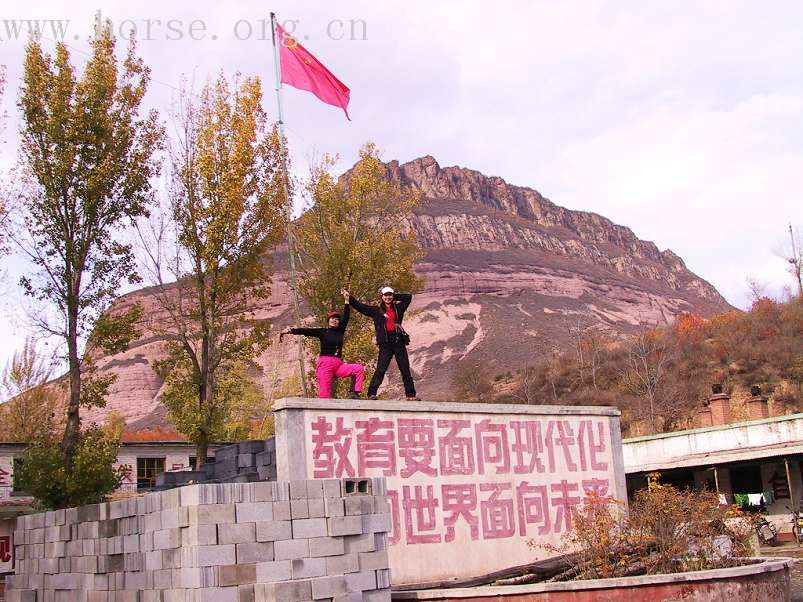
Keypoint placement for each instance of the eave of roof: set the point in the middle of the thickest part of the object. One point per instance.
(723, 427)
(708, 459)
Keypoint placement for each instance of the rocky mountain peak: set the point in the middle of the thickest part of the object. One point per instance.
(494, 193)
(508, 274)
(464, 208)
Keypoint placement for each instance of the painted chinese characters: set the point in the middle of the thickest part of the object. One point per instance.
(452, 477)
(6, 546)
(416, 446)
(127, 468)
(331, 446)
(5, 478)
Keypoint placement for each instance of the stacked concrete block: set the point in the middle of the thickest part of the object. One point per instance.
(319, 540)
(168, 480)
(266, 461)
(244, 462)
(236, 463)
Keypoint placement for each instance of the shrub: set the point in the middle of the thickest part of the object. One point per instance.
(43, 473)
(667, 530)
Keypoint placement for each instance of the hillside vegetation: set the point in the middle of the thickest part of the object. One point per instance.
(659, 376)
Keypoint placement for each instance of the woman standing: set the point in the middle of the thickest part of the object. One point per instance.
(330, 363)
(390, 337)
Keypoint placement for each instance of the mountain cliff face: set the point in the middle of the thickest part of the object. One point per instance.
(508, 273)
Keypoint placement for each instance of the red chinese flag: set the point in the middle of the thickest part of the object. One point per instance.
(303, 71)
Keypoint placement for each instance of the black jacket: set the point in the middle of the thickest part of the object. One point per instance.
(401, 302)
(331, 338)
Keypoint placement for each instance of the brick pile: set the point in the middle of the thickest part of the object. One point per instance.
(244, 462)
(318, 540)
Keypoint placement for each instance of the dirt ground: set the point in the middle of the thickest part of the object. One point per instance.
(790, 550)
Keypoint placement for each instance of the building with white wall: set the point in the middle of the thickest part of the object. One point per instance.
(754, 462)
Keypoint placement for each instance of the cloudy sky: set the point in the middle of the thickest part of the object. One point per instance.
(683, 121)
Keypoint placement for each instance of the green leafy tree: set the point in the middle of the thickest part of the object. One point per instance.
(355, 235)
(228, 418)
(91, 478)
(209, 257)
(89, 159)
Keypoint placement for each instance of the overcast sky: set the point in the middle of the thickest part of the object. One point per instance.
(680, 120)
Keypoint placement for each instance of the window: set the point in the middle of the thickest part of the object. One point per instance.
(147, 469)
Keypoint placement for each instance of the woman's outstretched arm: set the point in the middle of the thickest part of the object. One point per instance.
(344, 318)
(307, 332)
(364, 309)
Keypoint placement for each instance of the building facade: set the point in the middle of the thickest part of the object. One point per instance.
(754, 463)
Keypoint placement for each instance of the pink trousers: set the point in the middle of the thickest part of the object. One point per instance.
(330, 367)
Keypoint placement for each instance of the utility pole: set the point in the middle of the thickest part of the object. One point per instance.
(796, 261)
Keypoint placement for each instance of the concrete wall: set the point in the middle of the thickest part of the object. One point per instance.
(469, 485)
(765, 581)
(233, 542)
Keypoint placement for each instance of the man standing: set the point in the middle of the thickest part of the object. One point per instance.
(390, 337)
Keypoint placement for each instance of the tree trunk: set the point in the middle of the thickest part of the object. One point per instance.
(206, 393)
(201, 449)
(73, 427)
(202, 443)
(206, 399)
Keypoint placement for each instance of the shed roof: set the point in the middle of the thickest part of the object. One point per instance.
(779, 436)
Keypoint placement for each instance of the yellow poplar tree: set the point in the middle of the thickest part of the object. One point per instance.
(29, 412)
(88, 159)
(226, 210)
(354, 234)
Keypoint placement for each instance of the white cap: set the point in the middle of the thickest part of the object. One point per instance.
(386, 289)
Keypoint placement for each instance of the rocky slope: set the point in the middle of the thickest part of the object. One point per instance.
(507, 274)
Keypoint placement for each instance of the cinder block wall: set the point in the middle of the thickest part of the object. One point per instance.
(244, 462)
(322, 540)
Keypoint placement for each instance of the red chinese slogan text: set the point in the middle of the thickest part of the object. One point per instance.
(5, 548)
(495, 478)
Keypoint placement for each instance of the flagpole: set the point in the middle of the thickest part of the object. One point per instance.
(290, 236)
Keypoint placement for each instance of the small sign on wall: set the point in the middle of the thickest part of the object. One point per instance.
(128, 467)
